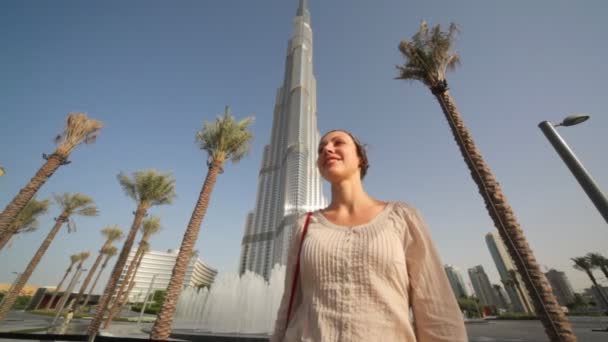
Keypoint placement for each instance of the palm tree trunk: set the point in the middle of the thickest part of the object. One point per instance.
(118, 267)
(555, 322)
(164, 320)
(600, 291)
(103, 267)
(66, 295)
(11, 297)
(5, 238)
(131, 285)
(27, 193)
(50, 302)
(132, 266)
(87, 280)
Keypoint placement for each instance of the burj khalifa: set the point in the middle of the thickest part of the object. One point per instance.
(289, 183)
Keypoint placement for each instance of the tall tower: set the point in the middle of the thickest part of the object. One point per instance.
(456, 281)
(289, 183)
(512, 281)
(483, 287)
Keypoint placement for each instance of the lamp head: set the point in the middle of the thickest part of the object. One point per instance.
(574, 119)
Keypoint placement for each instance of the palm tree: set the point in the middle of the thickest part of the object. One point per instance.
(79, 130)
(111, 233)
(599, 261)
(71, 204)
(74, 258)
(146, 249)
(27, 219)
(147, 188)
(428, 57)
(66, 295)
(149, 227)
(109, 253)
(585, 265)
(223, 140)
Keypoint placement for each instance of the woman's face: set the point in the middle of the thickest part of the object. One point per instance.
(338, 159)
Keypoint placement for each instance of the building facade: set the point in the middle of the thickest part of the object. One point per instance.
(482, 286)
(456, 281)
(289, 183)
(562, 289)
(510, 278)
(159, 265)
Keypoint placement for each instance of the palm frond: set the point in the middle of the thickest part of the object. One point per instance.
(27, 219)
(74, 258)
(225, 138)
(429, 54)
(581, 263)
(79, 129)
(76, 203)
(112, 233)
(151, 225)
(149, 186)
(84, 256)
(112, 250)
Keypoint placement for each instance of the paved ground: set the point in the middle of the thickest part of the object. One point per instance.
(490, 331)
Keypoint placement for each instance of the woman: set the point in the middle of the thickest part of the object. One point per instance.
(363, 264)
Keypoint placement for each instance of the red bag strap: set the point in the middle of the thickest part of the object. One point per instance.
(296, 274)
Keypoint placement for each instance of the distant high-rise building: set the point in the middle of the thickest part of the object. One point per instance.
(161, 264)
(514, 286)
(502, 296)
(456, 281)
(562, 289)
(483, 287)
(289, 183)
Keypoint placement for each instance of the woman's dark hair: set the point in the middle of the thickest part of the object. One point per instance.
(361, 151)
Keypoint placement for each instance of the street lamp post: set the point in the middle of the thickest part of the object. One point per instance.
(576, 167)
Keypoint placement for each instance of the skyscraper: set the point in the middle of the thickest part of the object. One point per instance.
(483, 287)
(520, 299)
(456, 281)
(289, 183)
(562, 289)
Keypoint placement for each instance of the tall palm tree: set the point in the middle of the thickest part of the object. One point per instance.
(71, 204)
(147, 188)
(223, 140)
(428, 57)
(109, 253)
(79, 130)
(111, 233)
(27, 219)
(146, 249)
(149, 227)
(585, 265)
(66, 294)
(74, 258)
(599, 261)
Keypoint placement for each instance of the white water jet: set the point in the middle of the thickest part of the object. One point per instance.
(246, 304)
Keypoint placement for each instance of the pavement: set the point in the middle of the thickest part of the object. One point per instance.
(490, 331)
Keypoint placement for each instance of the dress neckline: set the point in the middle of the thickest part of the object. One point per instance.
(380, 216)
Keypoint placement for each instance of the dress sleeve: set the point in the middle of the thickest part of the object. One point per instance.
(437, 316)
(292, 257)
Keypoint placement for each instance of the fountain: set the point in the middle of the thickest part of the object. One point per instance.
(233, 309)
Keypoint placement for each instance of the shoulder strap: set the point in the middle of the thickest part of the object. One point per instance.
(296, 274)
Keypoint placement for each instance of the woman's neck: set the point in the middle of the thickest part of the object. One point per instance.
(349, 196)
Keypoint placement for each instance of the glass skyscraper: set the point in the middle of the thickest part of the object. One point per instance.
(289, 183)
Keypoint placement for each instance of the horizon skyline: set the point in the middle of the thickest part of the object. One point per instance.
(152, 72)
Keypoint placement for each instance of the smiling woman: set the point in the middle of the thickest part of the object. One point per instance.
(357, 267)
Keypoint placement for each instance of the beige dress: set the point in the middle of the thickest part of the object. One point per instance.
(359, 283)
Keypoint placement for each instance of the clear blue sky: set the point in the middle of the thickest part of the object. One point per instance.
(152, 71)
